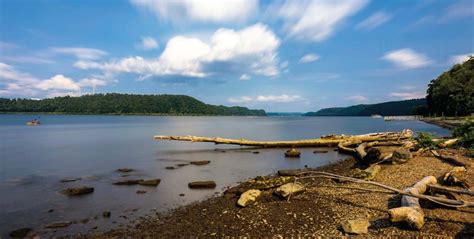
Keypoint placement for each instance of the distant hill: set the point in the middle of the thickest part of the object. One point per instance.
(404, 107)
(114, 103)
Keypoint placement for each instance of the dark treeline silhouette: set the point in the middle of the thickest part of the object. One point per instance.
(114, 103)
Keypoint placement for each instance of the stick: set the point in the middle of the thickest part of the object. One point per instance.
(451, 190)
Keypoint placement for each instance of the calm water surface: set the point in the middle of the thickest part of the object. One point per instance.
(33, 160)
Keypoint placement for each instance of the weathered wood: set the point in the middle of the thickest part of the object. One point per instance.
(448, 158)
(439, 188)
(327, 141)
(410, 210)
(448, 143)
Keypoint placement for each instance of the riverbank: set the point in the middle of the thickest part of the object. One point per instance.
(319, 211)
(445, 122)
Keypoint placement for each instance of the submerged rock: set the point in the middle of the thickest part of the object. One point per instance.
(141, 191)
(320, 151)
(59, 224)
(255, 152)
(289, 189)
(78, 191)
(359, 226)
(202, 184)
(128, 182)
(20, 233)
(170, 167)
(150, 182)
(202, 162)
(292, 153)
(106, 214)
(401, 155)
(67, 180)
(125, 170)
(248, 197)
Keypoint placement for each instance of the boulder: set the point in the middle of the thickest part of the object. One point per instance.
(199, 163)
(128, 182)
(202, 184)
(67, 180)
(248, 197)
(289, 189)
(150, 182)
(320, 151)
(401, 155)
(125, 170)
(78, 191)
(368, 173)
(20, 233)
(106, 214)
(292, 153)
(359, 226)
(141, 191)
(59, 224)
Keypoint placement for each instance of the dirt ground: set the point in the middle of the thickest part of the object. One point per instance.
(319, 211)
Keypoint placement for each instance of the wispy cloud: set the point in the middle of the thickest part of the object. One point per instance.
(244, 77)
(459, 59)
(407, 58)
(309, 58)
(408, 95)
(283, 98)
(316, 20)
(80, 52)
(242, 99)
(375, 20)
(358, 98)
(148, 43)
(201, 11)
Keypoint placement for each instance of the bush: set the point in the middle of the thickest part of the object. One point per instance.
(465, 133)
(425, 140)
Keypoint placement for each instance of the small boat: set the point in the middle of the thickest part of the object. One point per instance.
(34, 122)
(376, 116)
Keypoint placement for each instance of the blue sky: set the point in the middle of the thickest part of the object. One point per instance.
(275, 55)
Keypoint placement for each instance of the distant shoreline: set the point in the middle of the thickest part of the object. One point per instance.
(116, 114)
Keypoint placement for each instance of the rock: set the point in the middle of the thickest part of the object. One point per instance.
(141, 191)
(59, 224)
(202, 184)
(320, 151)
(203, 162)
(255, 152)
(182, 164)
(128, 182)
(125, 170)
(261, 183)
(401, 155)
(170, 167)
(20, 233)
(293, 172)
(85, 220)
(78, 191)
(106, 214)
(289, 189)
(150, 182)
(181, 194)
(51, 210)
(248, 197)
(67, 180)
(292, 153)
(368, 173)
(359, 226)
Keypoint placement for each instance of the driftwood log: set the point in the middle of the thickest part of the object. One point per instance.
(325, 141)
(411, 211)
(448, 158)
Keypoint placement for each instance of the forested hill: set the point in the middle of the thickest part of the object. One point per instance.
(405, 107)
(123, 104)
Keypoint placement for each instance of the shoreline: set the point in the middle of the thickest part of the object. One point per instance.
(445, 122)
(319, 211)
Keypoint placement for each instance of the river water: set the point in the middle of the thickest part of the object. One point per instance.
(33, 160)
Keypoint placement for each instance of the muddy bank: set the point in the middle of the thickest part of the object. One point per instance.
(318, 211)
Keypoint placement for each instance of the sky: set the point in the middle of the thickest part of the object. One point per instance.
(280, 56)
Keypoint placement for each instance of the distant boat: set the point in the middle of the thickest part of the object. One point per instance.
(376, 116)
(34, 122)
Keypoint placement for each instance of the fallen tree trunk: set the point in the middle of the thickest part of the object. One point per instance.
(450, 159)
(411, 211)
(327, 141)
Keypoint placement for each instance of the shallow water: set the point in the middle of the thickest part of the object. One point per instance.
(33, 160)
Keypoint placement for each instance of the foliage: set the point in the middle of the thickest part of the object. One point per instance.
(452, 93)
(123, 104)
(425, 140)
(404, 107)
(465, 133)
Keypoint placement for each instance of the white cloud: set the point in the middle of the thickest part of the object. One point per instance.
(253, 48)
(460, 9)
(203, 11)
(91, 82)
(409, 95)
(58, 82)
(243, 99)
(244, 77)
(309, 58)
(9, 73)
(358, 98)
(374, 21)
(407, 58)
(459, 59)
(278, 98)
(148, 43)
(80, 52)
(316, 20)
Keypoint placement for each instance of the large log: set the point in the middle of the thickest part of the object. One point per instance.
(327, 141)
(410, 210)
